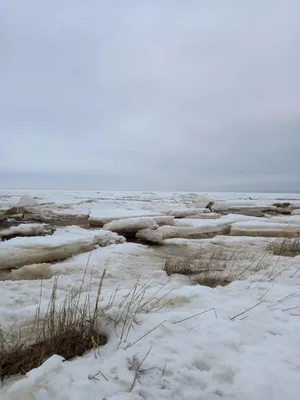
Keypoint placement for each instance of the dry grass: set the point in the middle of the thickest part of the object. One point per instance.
(201, 270)
(137, 301)
(68, 330)
(217, 267)
(285, 247)
(211, 280)
(74, 326)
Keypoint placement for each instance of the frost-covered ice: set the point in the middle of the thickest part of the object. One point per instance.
(34, 229)
(100, 217)
(62, 244)
(205, 215)
(186, 212)
(296, 212)
(27, 201)
(188, 232)
(135, 203)
(193, 228)
(31, 272)
(164, 220)
(256, 242)
(265, 229)
(223, 220)
(287, 219)
(131, 224)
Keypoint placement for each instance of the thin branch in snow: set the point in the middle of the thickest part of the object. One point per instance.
(137, 371)
(147, 333)
(291, 308)
(267, 291)
(295, 273)
(163, 384)
(91, 377)
(196, 315)
(284, 298)
(248, 309)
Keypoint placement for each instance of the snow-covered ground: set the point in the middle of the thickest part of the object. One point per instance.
(235, 342)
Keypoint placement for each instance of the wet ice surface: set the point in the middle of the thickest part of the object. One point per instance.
(217, 355)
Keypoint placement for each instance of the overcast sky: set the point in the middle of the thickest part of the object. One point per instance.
(150, 94)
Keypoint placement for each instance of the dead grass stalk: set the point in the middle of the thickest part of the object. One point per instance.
(289, 247)
(68, 329)
(217, 267)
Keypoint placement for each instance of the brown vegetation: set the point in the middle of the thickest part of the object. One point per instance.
(217, 267)
(285, 247)
(68, 330)
(75, 326)
(202, 269)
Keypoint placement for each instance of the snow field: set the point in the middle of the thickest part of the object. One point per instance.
(235, 342)
(217, 354)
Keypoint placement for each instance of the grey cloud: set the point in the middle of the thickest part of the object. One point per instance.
(150, 95)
